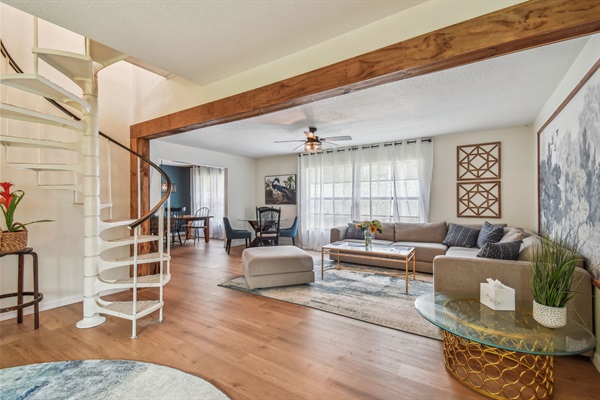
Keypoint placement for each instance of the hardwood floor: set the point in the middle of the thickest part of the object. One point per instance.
(257, 348)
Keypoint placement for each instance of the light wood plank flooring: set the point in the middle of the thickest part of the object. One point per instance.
(257, 348)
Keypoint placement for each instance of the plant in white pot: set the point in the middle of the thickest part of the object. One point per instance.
(552, 268)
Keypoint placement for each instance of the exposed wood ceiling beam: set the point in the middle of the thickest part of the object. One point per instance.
(523, 26)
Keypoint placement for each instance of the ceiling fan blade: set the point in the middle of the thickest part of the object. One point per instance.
(287, 141)
(331, 144)
(310, 134)
(338, 138)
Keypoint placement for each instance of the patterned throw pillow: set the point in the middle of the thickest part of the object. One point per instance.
(354, 233)
(501, 251)
(489, 234)
(462, 236)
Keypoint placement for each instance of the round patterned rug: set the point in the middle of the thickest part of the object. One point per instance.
(103, 379)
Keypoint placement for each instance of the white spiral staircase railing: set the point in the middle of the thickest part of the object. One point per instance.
(87, 181)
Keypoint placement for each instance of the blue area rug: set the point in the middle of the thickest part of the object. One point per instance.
(102, 379)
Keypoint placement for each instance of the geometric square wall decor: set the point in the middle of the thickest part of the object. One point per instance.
(478, 161)
(478, 199)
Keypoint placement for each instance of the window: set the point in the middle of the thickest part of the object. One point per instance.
(387, 183)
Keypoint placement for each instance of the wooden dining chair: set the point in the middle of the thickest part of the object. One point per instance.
(268, 225)
(178, 228)
(195, 227)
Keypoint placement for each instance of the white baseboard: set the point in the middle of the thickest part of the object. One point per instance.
(50, 304)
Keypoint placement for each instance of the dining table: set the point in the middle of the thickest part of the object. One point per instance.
(191, 218)
(256, 228)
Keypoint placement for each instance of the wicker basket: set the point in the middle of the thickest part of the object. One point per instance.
(13, 241)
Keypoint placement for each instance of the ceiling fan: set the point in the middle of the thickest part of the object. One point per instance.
(313, 143)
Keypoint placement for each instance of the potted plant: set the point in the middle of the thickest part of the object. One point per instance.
(14, 238)
(369, 228)
(552, 267)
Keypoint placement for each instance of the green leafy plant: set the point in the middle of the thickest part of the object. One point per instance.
(8, 204)
(552, 268)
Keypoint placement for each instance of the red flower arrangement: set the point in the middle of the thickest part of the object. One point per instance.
(8, 203)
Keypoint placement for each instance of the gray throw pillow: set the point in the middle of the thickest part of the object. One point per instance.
(354, 233)
(489, 234)
(462, 236)
(500, 251)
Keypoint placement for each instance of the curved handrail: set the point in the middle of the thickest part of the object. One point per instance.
(163, 199)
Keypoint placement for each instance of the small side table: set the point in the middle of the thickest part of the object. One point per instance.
(37, 295)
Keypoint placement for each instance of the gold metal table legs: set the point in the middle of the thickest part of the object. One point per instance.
(498, 373)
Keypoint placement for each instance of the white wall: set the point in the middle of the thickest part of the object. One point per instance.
(517, 192)
(157, 96)
(241, 176)
(59, 244)
(584, 62)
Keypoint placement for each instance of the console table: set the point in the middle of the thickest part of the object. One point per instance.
(501, 354)
(37, 296)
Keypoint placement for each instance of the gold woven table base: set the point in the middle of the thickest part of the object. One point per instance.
(498, 373)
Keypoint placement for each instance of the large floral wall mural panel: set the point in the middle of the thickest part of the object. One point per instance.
(569, 169)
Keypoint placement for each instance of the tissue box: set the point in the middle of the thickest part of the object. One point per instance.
(500, 298)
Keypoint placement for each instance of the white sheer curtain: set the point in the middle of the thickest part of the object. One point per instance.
(389, 182)
(208, 190)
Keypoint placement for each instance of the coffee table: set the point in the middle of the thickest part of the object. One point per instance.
(501, 354)
(397, 254)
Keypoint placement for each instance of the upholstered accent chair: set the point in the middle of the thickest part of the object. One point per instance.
(231, 234)
(290, 232)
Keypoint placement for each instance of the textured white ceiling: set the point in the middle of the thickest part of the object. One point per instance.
(207, 40)
(500, 93)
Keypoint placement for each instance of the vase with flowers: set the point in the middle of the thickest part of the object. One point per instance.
(369, 228)
(14, 238)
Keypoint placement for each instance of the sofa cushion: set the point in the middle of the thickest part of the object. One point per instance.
(527, 246)
(387, 232)
(457, 251)
(489, 234)
(354, 233)
(432, 232)
(512, 235)
(462, 236)
(500, 251)
(425, 251)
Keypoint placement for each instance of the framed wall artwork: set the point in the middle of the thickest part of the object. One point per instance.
(478, 161)
(478, 173)
(478, 199)
(569, 170)
(280, 189)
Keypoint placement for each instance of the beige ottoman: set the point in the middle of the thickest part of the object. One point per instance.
(277, 266)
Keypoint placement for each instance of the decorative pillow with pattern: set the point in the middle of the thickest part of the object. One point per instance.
(501, 251)
(354, 233)
(462, 236)
(489, 234)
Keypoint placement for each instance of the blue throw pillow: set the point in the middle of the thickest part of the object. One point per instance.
(462, 236)
(501, 251)
(489, 234)
(354, 233)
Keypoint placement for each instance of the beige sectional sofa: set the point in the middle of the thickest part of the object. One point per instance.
(458, 269)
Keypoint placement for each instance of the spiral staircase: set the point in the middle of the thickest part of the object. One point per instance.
(80, 115)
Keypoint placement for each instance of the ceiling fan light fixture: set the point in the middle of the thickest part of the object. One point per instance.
(312, 147)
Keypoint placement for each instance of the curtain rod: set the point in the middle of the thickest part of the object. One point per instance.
(369, 146)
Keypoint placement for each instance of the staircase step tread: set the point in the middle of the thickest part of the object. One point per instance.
(126, 307)
(105, 55)
(148, 257)
(38, 143)
(146, 279)
(24, 114)
(129, 239)
(77, 67)
(46, 167)
(41, 86)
